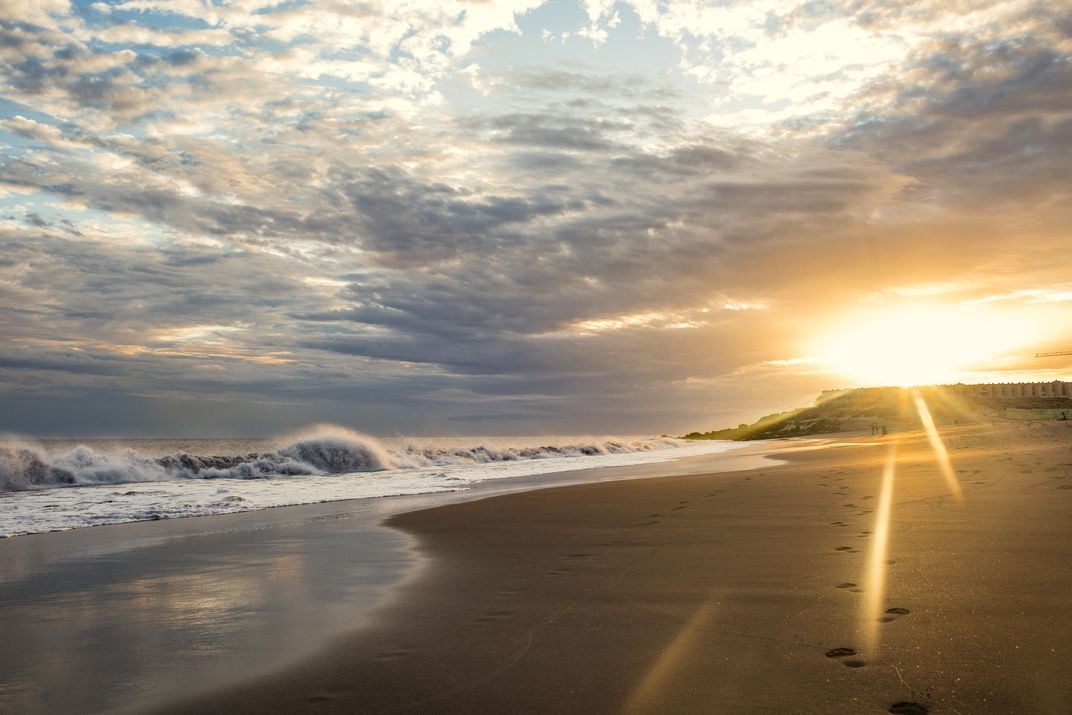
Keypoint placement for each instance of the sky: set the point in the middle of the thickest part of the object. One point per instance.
(560, 217)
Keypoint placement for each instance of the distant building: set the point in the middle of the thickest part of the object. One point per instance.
(1010, 390)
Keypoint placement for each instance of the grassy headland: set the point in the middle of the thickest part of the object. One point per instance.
(891, 407)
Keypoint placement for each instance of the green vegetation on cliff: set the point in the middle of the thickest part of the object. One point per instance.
(843, 410)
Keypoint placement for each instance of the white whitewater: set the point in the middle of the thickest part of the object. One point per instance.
(49, 486)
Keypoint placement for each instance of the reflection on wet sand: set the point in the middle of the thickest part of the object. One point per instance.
(875, 576)
(659, 675)
(878, 557)
(101, 633)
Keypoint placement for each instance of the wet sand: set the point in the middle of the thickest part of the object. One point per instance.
(744, 591)
(124, 617)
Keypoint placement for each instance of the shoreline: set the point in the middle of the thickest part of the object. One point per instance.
(62, 507)
(730, 591)
(155, 597)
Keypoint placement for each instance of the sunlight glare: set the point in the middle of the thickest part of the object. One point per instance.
(646, 695)
(945, 464)
(875, 574)
(920, 345)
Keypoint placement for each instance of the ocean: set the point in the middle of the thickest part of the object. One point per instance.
(129, 616)
(52, 485)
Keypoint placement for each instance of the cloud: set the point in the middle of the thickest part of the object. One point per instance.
(368, 238)
(979, 117)
(38, 12)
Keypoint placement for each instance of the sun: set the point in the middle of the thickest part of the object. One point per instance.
(918, 345)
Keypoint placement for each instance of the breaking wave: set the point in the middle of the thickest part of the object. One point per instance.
(416, 456)
(321, 450)
(325, 450)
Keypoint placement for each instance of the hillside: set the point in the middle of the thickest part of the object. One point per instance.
(893, 407)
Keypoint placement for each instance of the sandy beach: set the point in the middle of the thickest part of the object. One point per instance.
(747, 591)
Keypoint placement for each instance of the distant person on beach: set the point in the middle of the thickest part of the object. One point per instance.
(884, 433)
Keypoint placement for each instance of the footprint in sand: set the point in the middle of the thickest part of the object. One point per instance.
(853, 663)
(843, 548)
(840, 652)
(892, 614)
(838, 523)
(906, 707)
(390, 655)
(847, 584)
(577, 556)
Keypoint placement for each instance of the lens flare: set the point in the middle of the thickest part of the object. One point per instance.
(921, 344)
(945, 464)
(644, 697)
(875, 575)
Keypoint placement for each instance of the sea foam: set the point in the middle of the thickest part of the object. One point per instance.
(321, 450)
(315, 451)
(60, 484)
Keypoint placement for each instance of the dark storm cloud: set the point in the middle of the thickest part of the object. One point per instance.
(558, 131)
(412, 223)
(242, 233)
(170, 207)
(591, 83)
(491, 313)
(111, 294)
(684, 161)
(498, 271)
(545, 161)
(39, 61)
(981, 118)
(37, 364)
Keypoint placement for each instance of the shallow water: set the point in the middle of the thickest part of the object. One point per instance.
(106, 625)
(124, 617)
(64, 484)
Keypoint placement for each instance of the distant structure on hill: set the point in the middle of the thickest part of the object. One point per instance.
(861, 407)
(1012, 390)
(1055, 389)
